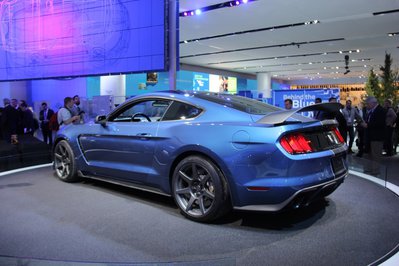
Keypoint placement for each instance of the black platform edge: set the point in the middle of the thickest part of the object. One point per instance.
(28, 152)
(391, 258)
(14, 261)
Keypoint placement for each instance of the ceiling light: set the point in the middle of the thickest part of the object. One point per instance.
(185, 41)
(325, 67)
(324, 53)
(365, 65)
(340, 52)
(310, 63)
(350, 52)
(198, 12)
(315, 21)
(244, 1)
(357, 51)
(337, 67)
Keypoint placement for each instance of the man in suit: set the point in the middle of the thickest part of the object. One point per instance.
(44, 117)
(9, 122)
(375, 132)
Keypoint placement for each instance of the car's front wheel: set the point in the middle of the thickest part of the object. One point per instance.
(64, 162)
(200, 189)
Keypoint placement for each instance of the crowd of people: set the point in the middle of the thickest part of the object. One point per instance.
(17, 118)
(375, 127)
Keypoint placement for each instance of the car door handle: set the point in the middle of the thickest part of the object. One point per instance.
(144, 135)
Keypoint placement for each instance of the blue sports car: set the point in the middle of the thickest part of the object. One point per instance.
(211, 152)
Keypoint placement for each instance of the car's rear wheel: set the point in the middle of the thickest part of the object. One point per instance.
(200, 189)
(64, 162)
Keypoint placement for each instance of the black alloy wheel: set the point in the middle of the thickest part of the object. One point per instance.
(64, 162)
(200, 190)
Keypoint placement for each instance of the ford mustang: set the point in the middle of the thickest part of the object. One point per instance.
(211, 152)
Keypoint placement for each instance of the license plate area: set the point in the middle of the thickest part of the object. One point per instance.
(338, 165)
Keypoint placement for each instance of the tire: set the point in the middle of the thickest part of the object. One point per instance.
(200, 190)
(64, 162)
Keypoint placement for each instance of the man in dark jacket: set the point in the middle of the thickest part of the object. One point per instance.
(9, 121)
(44, 118)
(375, 131)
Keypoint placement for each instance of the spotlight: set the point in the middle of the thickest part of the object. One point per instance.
(244, 1)
(185, 14)
(198, 12)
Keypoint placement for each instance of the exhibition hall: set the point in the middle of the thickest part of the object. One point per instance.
(199, 132)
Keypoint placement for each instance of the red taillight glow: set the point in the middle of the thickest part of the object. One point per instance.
(339, 136)
(258, 188)
(296, 143)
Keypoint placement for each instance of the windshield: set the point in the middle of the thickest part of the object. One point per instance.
(240, 103)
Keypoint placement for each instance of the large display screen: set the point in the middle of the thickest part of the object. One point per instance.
(65, 38)
(222, 84)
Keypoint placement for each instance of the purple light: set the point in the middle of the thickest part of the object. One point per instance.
(244, 1)
(237, 3)
(192, 13)
(185, 14)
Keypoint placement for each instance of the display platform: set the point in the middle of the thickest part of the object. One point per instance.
(29, 151)
(44, 220)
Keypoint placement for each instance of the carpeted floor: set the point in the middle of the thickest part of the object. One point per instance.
(91, 221)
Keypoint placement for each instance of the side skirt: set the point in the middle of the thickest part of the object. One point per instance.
(125, 184)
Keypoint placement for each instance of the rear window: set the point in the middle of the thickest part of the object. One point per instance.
(240, 103)
(181, 111)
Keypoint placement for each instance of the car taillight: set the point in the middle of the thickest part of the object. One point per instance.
(296, 143)
(339, 136)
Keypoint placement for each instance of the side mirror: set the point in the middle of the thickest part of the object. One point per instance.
(101, 119)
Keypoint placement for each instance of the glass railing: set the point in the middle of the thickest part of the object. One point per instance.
(383, 170)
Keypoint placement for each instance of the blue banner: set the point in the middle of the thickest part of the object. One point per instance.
(302, 98)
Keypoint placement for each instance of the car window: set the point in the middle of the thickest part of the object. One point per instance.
(181, 111)
(143, 111)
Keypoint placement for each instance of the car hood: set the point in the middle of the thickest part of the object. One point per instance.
(293, 116)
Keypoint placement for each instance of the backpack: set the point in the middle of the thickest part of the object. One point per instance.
(53, 122)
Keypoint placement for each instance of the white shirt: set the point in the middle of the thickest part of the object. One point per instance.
(63, 115)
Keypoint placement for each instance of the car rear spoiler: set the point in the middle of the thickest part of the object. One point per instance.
(281, 116)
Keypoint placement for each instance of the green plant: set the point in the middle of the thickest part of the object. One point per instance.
(388, 77)
(372, 85)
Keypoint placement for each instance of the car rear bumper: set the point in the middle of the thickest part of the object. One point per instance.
(301, 198)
